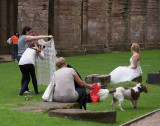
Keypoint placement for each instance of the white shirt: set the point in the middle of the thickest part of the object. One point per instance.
(29, 56)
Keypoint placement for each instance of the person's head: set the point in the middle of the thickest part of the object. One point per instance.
(27, 30)
(16, 33)
(135, 47)
(60, 62)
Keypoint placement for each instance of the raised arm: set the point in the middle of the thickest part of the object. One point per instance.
(80, 82)
(28, 38)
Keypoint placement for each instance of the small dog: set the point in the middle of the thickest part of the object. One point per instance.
(131, 94)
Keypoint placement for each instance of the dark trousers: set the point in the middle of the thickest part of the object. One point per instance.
(27, 71)
(22, 80)
(82, 97)
(15, 51)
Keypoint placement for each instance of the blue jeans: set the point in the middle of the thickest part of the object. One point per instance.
(15, 51)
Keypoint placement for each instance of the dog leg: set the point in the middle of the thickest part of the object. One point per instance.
(135, 105)
(132, 103)
(113, 102)
(120, 103)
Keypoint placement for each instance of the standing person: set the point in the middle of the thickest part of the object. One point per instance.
(128, 73)
(27, 66)
(27, 37)
(15, 44)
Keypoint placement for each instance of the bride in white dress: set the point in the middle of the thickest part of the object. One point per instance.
(128, 73)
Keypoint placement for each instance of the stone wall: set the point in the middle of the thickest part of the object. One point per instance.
(100, 26)
(87, 26)
(96, 25)
(33, 13)
(8, 23)
(67, 26)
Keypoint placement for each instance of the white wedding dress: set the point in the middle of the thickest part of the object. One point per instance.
(122, 74)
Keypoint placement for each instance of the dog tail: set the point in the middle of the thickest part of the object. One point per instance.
(103, 93)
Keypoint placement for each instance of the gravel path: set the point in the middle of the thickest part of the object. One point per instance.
(151, 120)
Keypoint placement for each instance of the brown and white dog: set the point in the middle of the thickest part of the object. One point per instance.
(121, 93)
(131, 94)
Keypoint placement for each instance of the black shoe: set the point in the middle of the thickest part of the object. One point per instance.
(36, 92)
(20, 94)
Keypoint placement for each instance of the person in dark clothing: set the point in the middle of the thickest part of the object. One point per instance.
(83, 95)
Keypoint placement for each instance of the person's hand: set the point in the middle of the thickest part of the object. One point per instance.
(89, 86)
(50, 36)
(41, 47)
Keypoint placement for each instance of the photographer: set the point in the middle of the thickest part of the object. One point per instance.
(27, 65)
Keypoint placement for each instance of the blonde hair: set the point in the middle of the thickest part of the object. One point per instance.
(135, 47)
(60, 62)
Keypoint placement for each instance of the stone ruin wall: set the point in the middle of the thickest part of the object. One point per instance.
(93, 26)
(33, 13)
(8, 23)
(99, 26)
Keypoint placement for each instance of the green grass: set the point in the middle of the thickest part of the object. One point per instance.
(10, 77)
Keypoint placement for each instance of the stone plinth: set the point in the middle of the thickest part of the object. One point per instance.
(90, 79)
(106, 117)
(94, 78)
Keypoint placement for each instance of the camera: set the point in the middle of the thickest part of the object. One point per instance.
(41, 45)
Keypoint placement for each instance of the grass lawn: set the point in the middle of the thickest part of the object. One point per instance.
(10, 77)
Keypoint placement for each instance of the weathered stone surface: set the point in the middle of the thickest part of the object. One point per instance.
(106, 117)
(58, 105)
(47, 106)
(34, 14)
(103, 79)
(94, 78)
(5, 58)
(90, 79)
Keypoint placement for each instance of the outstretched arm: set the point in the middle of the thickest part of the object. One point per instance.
(38, 37)
(80, 82)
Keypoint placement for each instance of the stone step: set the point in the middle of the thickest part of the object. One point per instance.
(94, 78)
(107, 117)
(47, 106)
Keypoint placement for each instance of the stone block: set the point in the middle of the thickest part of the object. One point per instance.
(95, 78)
(107, 117)
(90, 79)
